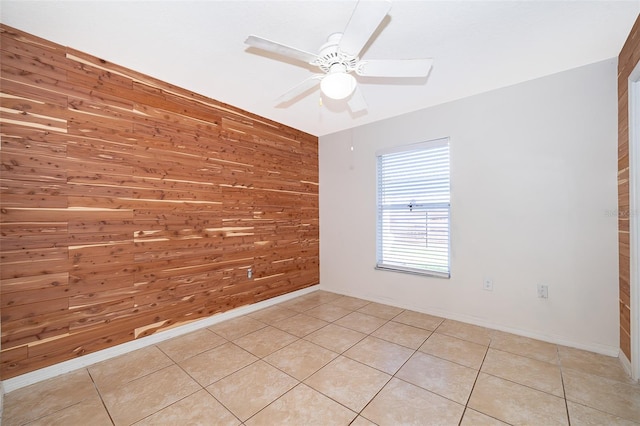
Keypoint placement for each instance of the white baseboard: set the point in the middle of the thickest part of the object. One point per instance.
(95, 357)
(626, 364)
(1, 401)
(550, 338)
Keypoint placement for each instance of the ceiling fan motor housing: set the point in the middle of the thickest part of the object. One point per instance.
(331, 59)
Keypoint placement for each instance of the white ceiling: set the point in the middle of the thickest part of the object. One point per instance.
(199, 45)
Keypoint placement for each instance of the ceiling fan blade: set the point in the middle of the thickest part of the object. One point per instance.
(299, 89)
(366, 17)
(281, 49)
(357, 102)
(394, 68)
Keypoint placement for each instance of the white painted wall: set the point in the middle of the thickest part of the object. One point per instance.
(534, 199)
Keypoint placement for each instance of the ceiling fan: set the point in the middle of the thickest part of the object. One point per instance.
(338, 58)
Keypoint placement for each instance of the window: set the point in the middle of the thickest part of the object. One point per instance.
(413, 208)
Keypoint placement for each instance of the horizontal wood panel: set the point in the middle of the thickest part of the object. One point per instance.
(23, 331)
(37, 282)
(129, 205)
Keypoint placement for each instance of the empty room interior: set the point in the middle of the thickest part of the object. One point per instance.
(320, 212)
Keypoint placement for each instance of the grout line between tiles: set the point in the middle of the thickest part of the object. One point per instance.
(225, 407)
(393, 376)
(466, 405)
(173, 403)
(523, 385)
(100, 396)
(564, 390)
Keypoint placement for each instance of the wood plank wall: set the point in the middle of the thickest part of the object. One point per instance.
(129, 205)
(628, 59)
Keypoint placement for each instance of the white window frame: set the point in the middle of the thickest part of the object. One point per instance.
(389, 248)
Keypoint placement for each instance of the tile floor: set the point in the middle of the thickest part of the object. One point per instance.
(325, 359)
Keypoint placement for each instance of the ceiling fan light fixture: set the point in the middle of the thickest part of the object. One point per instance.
(338, 85)
(340, 56)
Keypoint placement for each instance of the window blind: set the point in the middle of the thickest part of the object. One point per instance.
(414, 208)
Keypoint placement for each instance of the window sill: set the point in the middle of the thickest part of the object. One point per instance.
(432, 274)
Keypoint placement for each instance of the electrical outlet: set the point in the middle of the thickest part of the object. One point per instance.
(543, 291)
(487, 284)
(250, 273)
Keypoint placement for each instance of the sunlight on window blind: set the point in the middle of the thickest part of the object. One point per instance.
(413, 208)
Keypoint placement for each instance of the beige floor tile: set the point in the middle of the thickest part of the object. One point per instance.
(272, 314)
(249, 390)
(301, 359)
(303, 406)
(539, 375)
(401, 403)
(418, 319)
(335, 338)
(524, 346)
(199, 408)
(380, 354)
(381, 311)
(349, 382)
(44, 398)
(194, 343)
(516, 404)
(587, 416)
(456, 350)
(592, 363)
(437, 375)
(322, 296)
(146, 395)
(265, 341)
(91, 411)
(348, 302)
(301, 304)
(123, 369)
(474, 418)
(328, 312)
(300, 325)
(361, 322)
(217, 363)
(237, 327)
(613, 397)
(469, 332)
(402, 334)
